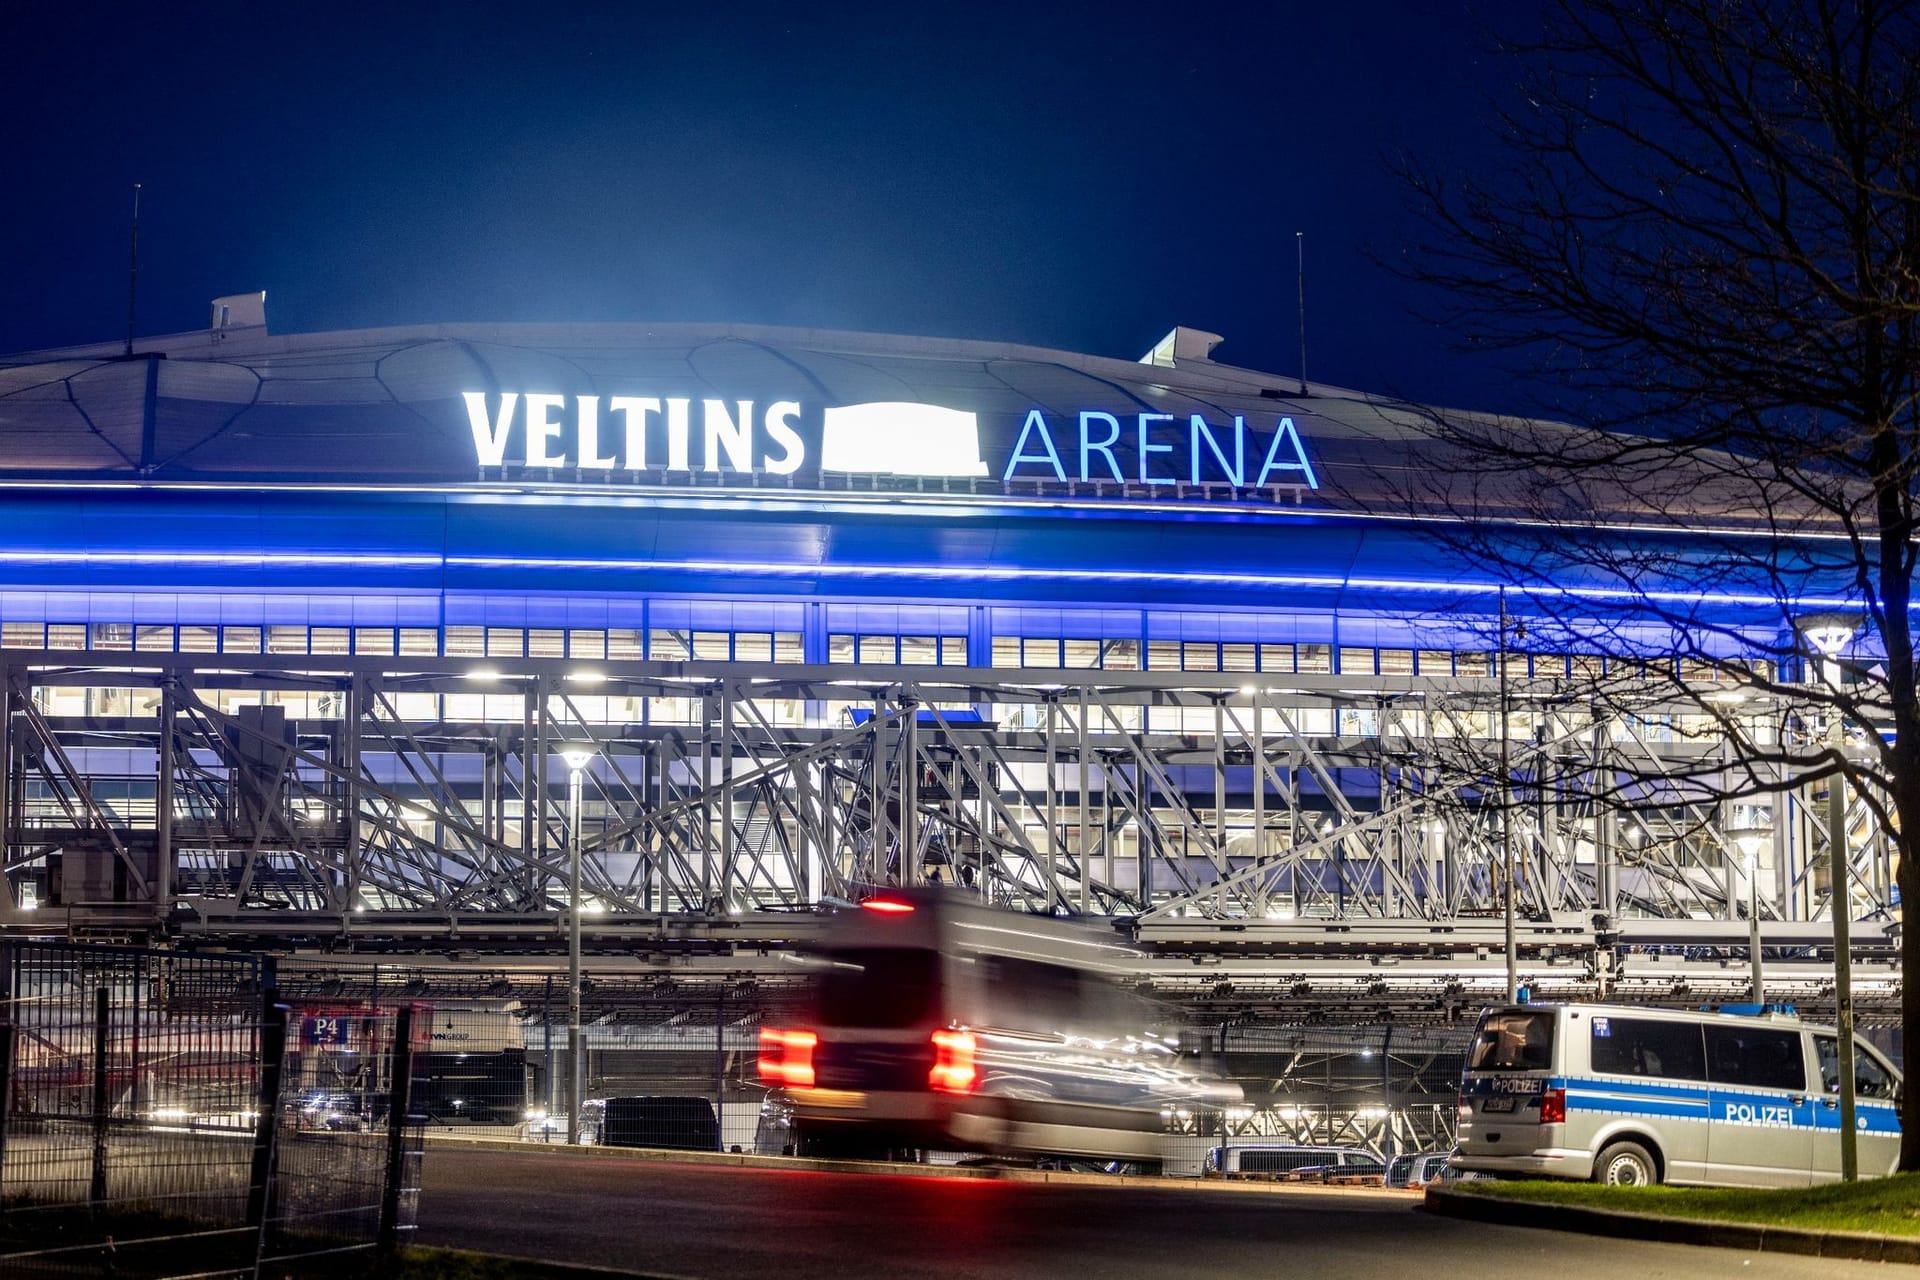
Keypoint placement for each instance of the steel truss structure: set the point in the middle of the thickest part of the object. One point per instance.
(1340, 831)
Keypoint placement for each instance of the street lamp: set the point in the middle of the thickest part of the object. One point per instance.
(1506, 805)
(1830, 633)
(578, 756)
(1750, 836)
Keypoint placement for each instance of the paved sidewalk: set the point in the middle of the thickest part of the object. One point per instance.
(1646, 1226)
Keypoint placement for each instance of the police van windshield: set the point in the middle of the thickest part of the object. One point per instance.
(1513, 1041)
(878, 987)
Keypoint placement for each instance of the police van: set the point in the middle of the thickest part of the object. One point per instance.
(1627, 1095)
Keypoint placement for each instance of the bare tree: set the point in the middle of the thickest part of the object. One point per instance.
(1705, 246)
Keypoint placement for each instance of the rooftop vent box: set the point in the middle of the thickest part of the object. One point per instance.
(238, 312)
(1182, 344)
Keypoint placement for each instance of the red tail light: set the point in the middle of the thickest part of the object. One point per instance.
(953, 1062)
(1553, 1107)
(786, 1057)
(887, 906)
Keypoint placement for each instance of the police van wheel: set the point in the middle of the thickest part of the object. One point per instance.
(1626, 1164)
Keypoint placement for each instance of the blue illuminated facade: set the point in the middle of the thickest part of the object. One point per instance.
(661, 492)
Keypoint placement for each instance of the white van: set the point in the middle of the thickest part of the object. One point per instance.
(1270, 1157)
(1627, 1095)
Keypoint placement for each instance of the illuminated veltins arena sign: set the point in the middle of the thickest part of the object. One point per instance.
(895, 438)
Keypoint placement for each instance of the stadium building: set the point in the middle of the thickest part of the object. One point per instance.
(358, 635)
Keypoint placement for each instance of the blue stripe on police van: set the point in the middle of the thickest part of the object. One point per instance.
(1880, 1119)
(1685, 1109)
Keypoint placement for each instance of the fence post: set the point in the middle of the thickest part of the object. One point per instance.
(102, 1011)
(399, 1103)
(6, 1044)
(266, 1129)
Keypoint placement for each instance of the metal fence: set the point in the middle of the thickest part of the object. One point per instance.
(160, 1117)
(670, 1063)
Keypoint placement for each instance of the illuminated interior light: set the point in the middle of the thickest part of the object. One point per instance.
(481, 673)
(587, 677)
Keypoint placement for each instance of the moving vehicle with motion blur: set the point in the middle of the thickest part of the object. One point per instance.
(1626, 1095)
(939, 1024)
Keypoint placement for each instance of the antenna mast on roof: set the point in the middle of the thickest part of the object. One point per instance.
(133, 266)
(1300, 290)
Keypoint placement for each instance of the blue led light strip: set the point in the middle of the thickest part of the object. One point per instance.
(938, 573)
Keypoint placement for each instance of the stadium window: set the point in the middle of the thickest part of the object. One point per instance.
(240, 639)
(1237, 657)
(1200, 655)
(328, 640)
(66, 635)
(669, 646)
(376, 641)
(1083, 655)
(506, 642)
(840, 649)
(1314, 659)
(198, 639)
(953, 651)
(23, 635)
(1473, 664)
(788, 647)
(1396, 662)
(1356, 662)
(884, 650)
(1006, 651)
(111, 635)
(1436, 662)
(286, 639)
(419, 642)
(586, 644)
(624, 645)
(1277, 658)
(465, 642)
(753, 646)
(1120, 655)
(547, 642)
(1040, 651)
(920, 651)
(1163, 655)
(713, 646)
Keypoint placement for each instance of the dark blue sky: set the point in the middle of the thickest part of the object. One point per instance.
(1077, 176)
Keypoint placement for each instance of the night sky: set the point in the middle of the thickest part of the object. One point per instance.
(1081, 177)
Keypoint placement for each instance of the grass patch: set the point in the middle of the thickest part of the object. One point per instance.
(1887, 1206)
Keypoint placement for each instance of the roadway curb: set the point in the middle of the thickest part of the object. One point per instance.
(981, 1172)
(1645, 1226)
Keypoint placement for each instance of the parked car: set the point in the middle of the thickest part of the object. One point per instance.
(1416, 1168)
(672, 1121)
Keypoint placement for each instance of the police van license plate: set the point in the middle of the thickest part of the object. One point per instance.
(1499, 1102)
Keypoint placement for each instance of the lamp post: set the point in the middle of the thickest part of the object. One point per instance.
(1750, 837)
(578, 757)
(1506, 811)
(1829, 634)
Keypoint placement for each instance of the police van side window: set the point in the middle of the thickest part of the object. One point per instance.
(1756, 1057)
(1645, 1047)
(1870, 1079)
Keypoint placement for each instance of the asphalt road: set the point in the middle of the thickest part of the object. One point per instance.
(721, 1223)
